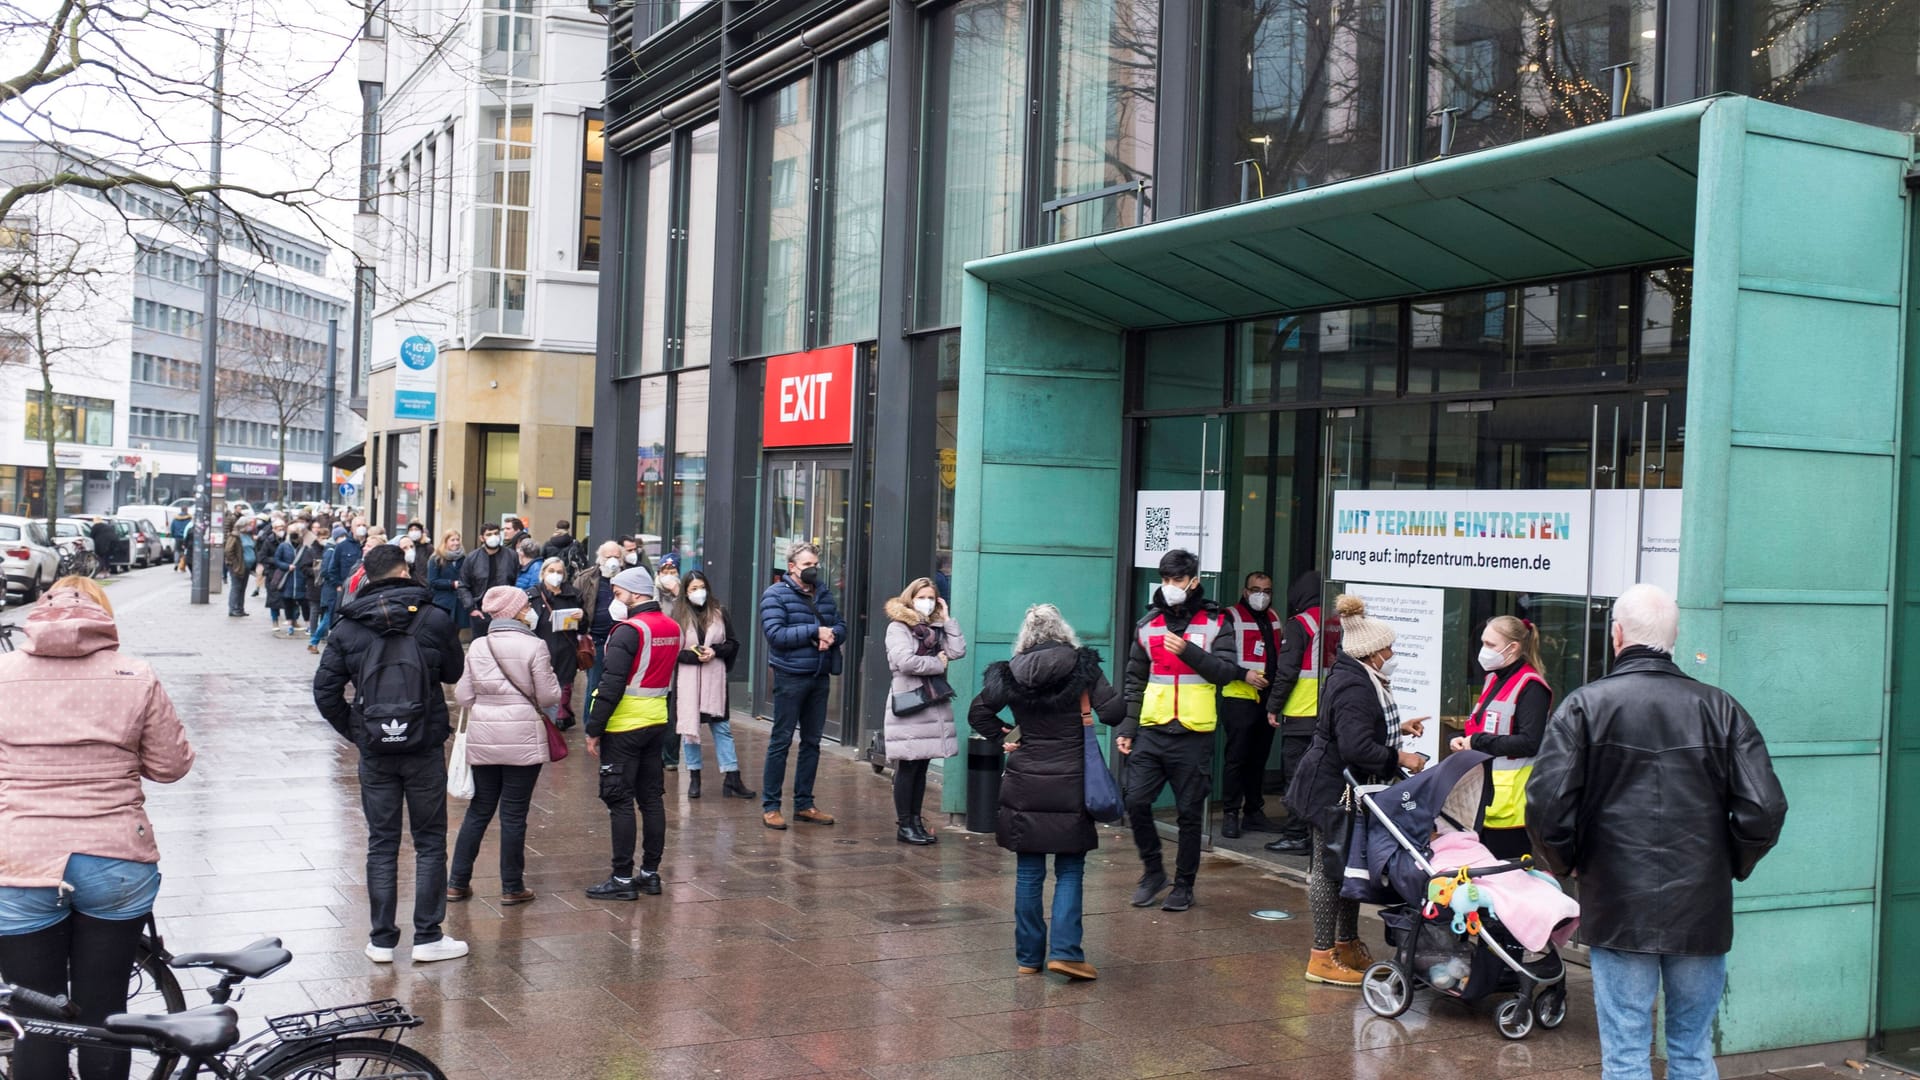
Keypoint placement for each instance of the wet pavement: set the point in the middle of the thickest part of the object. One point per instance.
(821, 951)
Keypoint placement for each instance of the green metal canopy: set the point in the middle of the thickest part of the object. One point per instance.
(1607, 195)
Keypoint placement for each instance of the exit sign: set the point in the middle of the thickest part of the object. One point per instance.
(809, 398)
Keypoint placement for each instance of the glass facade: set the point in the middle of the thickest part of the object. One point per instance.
(689, 467)
(1103, 82)
(1857, 59)
(650, 521)
(856, 185)
(703, 192)
(502, 205)
(84, 420)
(593, 158)
(779, 204)
(649, 227)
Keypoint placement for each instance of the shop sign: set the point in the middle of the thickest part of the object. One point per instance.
(68, 459)
(949, 467)
(1418, 618)
(1513, 541)
(219, 485)
(809, 398)
(416, 380)
(254, 469)
(1169, 519)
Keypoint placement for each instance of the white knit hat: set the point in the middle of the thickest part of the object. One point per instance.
(1360, 636)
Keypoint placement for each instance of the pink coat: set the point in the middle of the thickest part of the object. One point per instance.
(504, 726)
(83, 724)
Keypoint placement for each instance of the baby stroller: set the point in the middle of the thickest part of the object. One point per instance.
(1388, 862)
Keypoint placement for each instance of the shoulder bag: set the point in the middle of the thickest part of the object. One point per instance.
(459, 773)
(933, 690)
(1101, 794)
(556, 742)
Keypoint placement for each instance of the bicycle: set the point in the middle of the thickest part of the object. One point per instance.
(316, 1045)
(7, 630)
(77, 560)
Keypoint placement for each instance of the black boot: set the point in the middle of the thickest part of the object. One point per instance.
(731, 785)
(693, 783)
(1230, 825)
(932, 837)
(909, 833)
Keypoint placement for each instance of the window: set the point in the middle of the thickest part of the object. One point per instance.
(652, 462)
(779, 149)
(649, 220)
(508, 40)
(1105, 82)
(370, 144)
(500, 216)
(856, 186)
(1296, 88)
(85, 420)
(166, 371)
(689, 465)
(166, 318)
(1854, 59)
(972, 146)
(702, 187)
(591, 166)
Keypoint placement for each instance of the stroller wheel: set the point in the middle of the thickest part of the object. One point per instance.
(1386, 989)
(1550, 1008)
(1514, 1018)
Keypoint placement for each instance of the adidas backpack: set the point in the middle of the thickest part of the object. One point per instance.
(392, 692)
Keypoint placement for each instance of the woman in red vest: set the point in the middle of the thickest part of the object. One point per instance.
(1508, 723)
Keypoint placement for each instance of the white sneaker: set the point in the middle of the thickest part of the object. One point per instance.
(445, 949)
(379, 955)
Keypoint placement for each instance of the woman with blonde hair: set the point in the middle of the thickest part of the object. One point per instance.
(552, 592)
(443, 575)
(922, 639)
(79, 869)
(1508, 722)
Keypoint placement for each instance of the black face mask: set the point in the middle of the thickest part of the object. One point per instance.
(810, 576)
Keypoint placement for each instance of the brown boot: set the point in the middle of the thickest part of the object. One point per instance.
(1353, 954)
(1077, 970)
(1325, 967)
(774, 820)
(813, 817)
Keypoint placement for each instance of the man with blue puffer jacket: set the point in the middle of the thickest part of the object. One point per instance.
(804, 631)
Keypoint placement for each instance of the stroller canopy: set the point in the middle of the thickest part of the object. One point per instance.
(1453, 796)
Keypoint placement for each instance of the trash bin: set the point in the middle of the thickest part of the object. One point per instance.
(984, 761)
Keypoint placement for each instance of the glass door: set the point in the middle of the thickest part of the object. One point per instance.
(810, 499)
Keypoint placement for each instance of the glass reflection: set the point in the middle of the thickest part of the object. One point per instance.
(1105, 73)
(1857, 59)
(779, 186)
(856, 184)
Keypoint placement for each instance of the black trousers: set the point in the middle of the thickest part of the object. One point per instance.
(909, 789)
(1183, 759)
(1249, 741)
(631, 773)
(507, 789)
(416, 783)
(1296, 734)
(87, 959)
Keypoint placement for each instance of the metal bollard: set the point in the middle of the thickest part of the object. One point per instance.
(984, 762)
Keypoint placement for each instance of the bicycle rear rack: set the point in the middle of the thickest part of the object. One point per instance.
(383, 1015)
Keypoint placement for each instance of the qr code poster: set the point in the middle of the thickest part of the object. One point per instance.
(1164, 520)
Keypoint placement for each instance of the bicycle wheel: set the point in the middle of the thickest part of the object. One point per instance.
(153, 988)
(344, 1058)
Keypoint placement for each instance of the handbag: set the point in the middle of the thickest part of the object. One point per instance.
(1101, 794)
(932, 690)
(1341, 838)
(583, 652)
(459, 773)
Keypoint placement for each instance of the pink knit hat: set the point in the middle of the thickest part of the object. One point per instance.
(504, 602)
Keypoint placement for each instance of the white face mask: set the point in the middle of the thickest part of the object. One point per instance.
(1491, 659)
(925, 607)
(554, 580)
(697, 597)
(492, 541)
(360, 532)
(617, 610)
(667, 582)
(1387, 667)
(609, 567)
(414, 535)
(528, 619)
(1174, 595)
(407, 555)
(633, 558)
(1258, 601)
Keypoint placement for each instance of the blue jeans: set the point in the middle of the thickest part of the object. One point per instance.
(1029, 922)
(114, 889)
(1625, 985)
(321, 624)
(799, 705)
(722, 733)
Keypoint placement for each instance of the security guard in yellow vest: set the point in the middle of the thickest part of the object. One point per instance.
(1181, 652)
(1256, 648)
(1293, 701)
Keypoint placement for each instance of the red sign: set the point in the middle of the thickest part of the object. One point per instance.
(809, 398)
(219, 484)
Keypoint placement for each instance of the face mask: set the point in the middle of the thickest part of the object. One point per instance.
(1491, 659)
(408, 555)
(810, 576)
(1258, 601)
(609, 567)
(633, 558)
(1388, 666)
(667, 582)
(618, 610)
(414, 535)
(280, 532)
(697, 597)
(925, 607)
(1174, 595)
(359, 532)
(492, 541)
(554, 580)
(528, 619)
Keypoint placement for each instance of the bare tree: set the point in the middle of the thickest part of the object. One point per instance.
(282, 376)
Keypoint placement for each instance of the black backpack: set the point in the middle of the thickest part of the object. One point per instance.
(393, 690)
(577, 558)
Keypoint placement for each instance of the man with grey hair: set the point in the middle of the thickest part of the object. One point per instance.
(1657, 793)
(804, 631)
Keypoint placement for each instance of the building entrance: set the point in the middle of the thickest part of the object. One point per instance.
(810, 500)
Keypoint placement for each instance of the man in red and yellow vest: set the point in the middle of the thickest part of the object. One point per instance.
(1293, 699)
(1181, 654)
(625, 726)
(1256, 642)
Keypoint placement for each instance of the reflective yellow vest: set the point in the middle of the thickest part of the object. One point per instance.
(645, 702)
(1494, 716)
(1174, 691)
(1304, 698)
(1250, 651)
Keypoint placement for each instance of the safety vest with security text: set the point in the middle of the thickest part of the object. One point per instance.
(1253, 645)
(645, 702)
(1493, 715)
(1304, 698)
(1175, 692)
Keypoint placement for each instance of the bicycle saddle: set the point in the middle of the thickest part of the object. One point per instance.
(256, 961)
(202, 1032)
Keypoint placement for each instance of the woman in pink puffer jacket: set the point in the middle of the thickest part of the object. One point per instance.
(507, 685)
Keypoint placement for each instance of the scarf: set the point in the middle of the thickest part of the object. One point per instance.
(1384, 690)
(701, 688)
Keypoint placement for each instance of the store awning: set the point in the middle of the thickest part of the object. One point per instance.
(1608, 195)
(353, 457)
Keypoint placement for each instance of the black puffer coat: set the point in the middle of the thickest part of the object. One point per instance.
(1659, 792)
(1043, 794)
(1351, 733)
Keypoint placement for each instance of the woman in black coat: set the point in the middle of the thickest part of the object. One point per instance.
(1359, 729)
(553, 592)
(1055, 688)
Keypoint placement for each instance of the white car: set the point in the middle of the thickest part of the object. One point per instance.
(27, 557)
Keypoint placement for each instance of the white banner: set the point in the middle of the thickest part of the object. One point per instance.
(1514, 541)
(1165, 520)
(1621, 517)
(1418, 618)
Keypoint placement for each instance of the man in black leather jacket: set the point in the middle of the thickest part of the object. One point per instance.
(1656, 792)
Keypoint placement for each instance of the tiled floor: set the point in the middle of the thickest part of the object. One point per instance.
(830, 952)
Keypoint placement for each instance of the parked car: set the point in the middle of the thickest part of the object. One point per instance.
(27, 557)
(137, 543)
(156, 515)
(149, 543)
